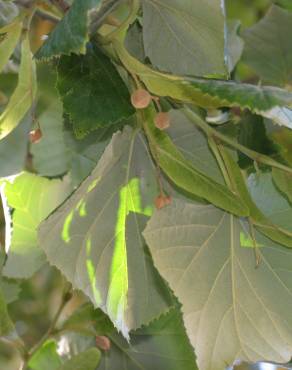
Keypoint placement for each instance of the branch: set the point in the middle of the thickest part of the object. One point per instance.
(258, 157)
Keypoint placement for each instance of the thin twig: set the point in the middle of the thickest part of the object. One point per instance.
(65, 299)
(257, 157)
(102, 14)
(46, 16)
(61, 4)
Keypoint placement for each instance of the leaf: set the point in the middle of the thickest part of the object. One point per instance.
(10, 290)
(230, 308)
(46, 358)
(11, 36)
(258, 219)
(13, 148)
(87, 319)
(71, 34)
(184, 174)
(32, 199)
(161, 345)
(94, 238)
(284, 3)
(134, 42)
(8, 11)
(272, 60)
(252, 134)
(269, 200)
(6, 325)
(281, 116)
(235, 44)
(85, 152)
(46, 161)
(24, 94)
(193, 144)
(86, 360)
(283, 139)
(283, 181)
(207, 93)
(185, 28)
(92, 91)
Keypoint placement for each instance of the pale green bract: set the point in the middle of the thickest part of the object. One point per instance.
(11, 35)
(24, 93)
(206, 92)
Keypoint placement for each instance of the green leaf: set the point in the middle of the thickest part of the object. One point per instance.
(184, 174)
(262, 223)
(46, 358)
(32, 199)
(208, 93)
(8, 11)
(235, 44)
(283, 181)
(88, 320)
(71, 34)
(11, 36)
(283, 139)
(252, 134)
(273, 59)
(86, 360)
(193, 144)
(284, 3)
(92, 91)
(134, 42)
(161, 345)
(24, 94)
(13, 148)
(269, 200)
(86, 152)
(46, 161)
(6, 325)
(230, 308)
(94, 238)
(193, 29)
(280, 115)
(10, 289)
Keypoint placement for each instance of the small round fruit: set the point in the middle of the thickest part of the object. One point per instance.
(162, 201)
(140, 99)
(162, 120)
(102, 342)
(35, 136)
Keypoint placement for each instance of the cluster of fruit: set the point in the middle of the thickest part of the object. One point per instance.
(141, 99)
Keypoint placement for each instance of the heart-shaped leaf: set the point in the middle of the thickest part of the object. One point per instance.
(231, 309)
(94, 238)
